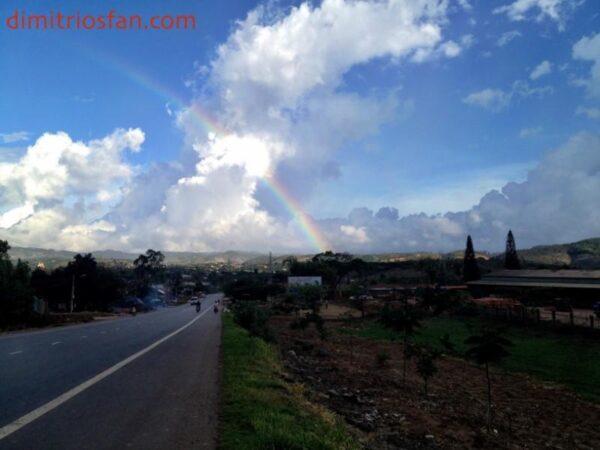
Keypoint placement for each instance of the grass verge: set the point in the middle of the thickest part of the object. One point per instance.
(561, 358)
(261, 411)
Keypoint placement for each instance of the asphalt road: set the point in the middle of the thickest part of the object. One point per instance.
(164, 398)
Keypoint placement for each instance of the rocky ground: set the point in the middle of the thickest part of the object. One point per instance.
(345, 374)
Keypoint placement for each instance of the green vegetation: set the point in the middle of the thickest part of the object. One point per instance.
(565, 359)
(259, 410)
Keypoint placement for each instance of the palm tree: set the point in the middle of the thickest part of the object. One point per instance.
(488, 347)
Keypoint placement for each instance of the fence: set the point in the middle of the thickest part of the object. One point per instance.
(550, 317)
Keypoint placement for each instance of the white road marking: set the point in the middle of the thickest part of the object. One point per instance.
(16, 353)
(9, 429)
(83, 337)
(56, 343)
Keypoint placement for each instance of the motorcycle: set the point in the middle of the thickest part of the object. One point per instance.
(198, 307)
(215, 309)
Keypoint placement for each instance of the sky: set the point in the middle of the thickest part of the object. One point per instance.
(360, 126)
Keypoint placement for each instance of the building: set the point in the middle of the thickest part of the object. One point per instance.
(304, 281)
(552, 284)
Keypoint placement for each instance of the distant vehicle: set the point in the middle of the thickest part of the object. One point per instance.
(194, 301)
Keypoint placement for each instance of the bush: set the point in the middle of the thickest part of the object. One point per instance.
(254, 318)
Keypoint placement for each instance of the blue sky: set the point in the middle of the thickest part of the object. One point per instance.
(432, 150)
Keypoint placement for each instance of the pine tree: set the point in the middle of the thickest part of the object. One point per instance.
(470, 267)
(511, 260)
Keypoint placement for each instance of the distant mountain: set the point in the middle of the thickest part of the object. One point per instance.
(579, 255)
(582, 255)
(56, 258)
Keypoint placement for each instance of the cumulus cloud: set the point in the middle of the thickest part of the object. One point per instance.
(588, 49)
(543, 68)
(497, 100)
(507, 37)
(556, 10)
(275, 86)
(57, 182)
(557, 202)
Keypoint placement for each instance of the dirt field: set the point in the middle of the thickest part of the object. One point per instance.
(344, 375)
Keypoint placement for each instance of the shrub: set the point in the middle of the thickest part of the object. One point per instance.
(254, 318)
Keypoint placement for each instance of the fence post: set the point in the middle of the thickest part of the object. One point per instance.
(537, 315)
(591, 321)
(553, 317)
(571, 318)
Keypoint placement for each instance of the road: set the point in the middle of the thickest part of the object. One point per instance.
(143, 382)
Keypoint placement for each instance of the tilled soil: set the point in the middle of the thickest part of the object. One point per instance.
(344, 374)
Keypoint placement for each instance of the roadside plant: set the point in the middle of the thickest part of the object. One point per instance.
(405, 321)
(448, 346)
(426, 367)
(254, 318)
(487, 347)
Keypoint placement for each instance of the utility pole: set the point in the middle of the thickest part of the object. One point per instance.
(270, 262)
(72, 292)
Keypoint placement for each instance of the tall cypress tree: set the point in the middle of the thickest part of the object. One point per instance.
(511, 259)
(470, 267)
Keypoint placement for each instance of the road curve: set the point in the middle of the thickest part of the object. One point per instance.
(147, 382)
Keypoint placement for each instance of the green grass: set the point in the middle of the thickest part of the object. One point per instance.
(261, 411)
(566, 359)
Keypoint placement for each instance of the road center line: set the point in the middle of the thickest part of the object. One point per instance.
(9, 429)
(56, 343)
(16, 353)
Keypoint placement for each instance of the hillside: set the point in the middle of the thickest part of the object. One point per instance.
(582, 255)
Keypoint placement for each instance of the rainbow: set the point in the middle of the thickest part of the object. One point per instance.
(306, 223)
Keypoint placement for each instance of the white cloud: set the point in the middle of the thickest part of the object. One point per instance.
(492, 99)
(589, 112)
(588, 49)
(529, 132)
(556, 10)
(543, 68)
(356, 234)
(60, 183)
(465, 4)
(507, 37)
(15, 136)
(497, 100)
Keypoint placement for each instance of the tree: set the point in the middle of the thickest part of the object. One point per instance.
(148, 267)
(511, 259)
(487, 347)
(405, 321)
(16, 295)
(470, 268)
(426, 365)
